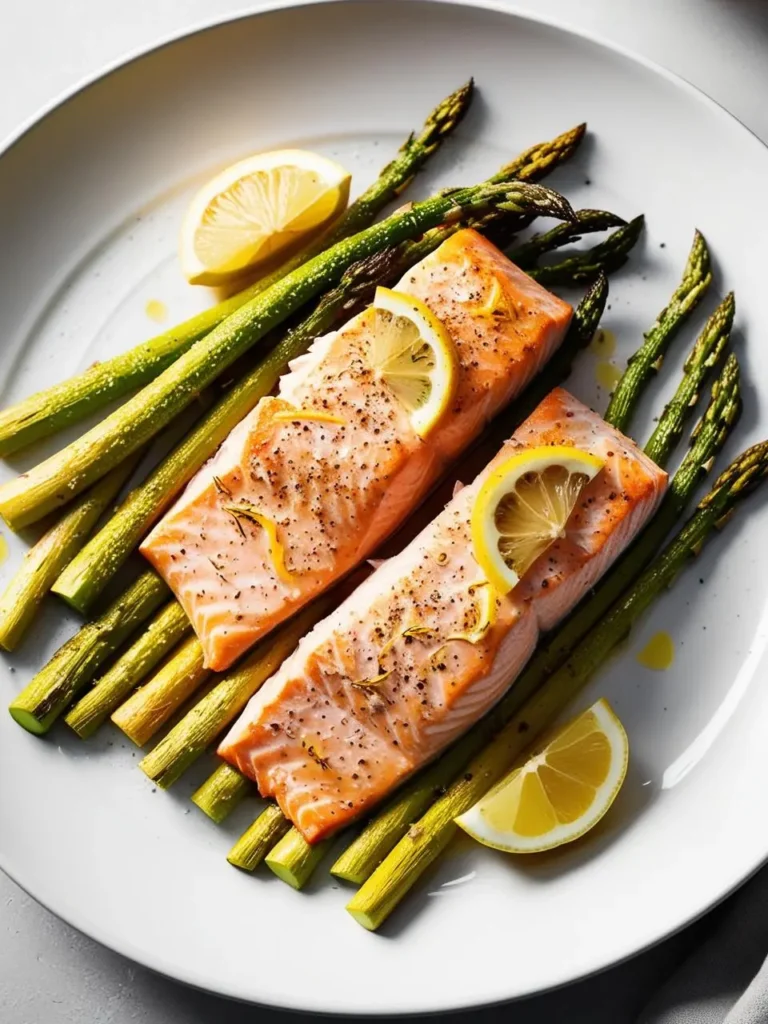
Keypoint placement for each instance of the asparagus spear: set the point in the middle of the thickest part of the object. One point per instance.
(74, 665)
(45, 559)
(294, 858)
(392, 822)
(254, 844)
(289, 856)
(61, 477)
(379, 896)
(705, 354)
(222, 791)
(528, 254)
(48, 411)
(606, 257)
(697, 277)
(190, 737)
(153, 704)
(167, 629)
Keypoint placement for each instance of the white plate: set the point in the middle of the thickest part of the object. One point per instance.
(90, 202)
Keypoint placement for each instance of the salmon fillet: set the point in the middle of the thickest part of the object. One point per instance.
(331, 488)
(381, 686)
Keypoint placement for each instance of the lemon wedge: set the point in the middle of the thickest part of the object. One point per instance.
(559, 793)
(256, 208)
(523, 507)
(412, 352)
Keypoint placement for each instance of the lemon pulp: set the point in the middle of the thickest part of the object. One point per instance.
(560, 792)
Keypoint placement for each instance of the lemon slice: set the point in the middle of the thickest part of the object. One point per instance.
(523, 507)
(412, 352)
(256, 208)
(559, 793)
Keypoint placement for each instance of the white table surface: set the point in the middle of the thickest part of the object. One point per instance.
(48, 972)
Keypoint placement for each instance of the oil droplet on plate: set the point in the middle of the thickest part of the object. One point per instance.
(156, 310)
(3, 549)
(607, 375)
(603, 344)
(659, 653)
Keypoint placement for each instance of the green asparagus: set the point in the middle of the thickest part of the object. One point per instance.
(75, 664)
(293, 860)
(45, 559)
(647, 360)
(167, 629)
(152, 705)
(529, 253)
(606, 258)
(705, 354)
(254, 844)
(221, 792)
(532, 165)
(540, 160)
(390, 882)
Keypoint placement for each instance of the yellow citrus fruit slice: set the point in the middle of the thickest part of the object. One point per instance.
(256, 208)
(560, 792)
(412, 352)
(523, 506)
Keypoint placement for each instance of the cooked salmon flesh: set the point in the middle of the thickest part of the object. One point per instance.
(315, 478)
(405, 665)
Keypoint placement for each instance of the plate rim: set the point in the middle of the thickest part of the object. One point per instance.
(48, 899)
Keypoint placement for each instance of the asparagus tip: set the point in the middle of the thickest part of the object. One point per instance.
(449, 113)
(547, 202)
(698, 258)
(569, 141)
